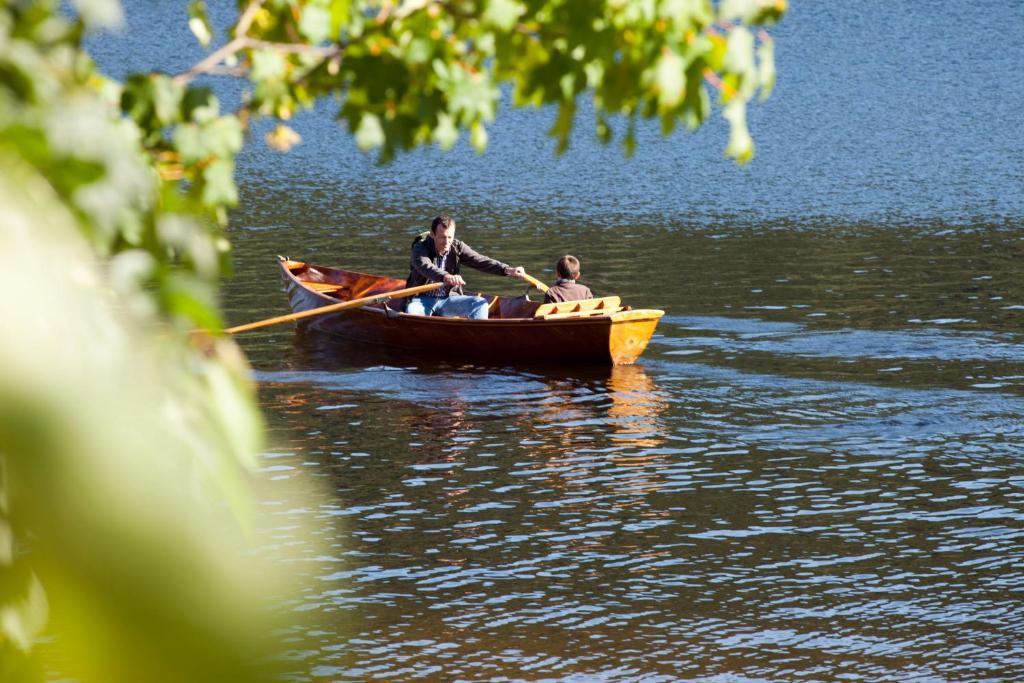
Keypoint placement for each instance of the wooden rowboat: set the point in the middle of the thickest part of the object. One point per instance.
(595, 330)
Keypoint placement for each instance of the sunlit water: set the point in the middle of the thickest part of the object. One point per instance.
(815, 473)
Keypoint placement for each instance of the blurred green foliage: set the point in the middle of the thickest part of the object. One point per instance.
(128, 443)
(417, 72)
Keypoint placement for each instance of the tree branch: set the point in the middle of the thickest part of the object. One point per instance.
(294, 48)
(712, 78)
(245, 21)
(212, 63)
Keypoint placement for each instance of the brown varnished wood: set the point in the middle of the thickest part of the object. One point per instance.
(511, 334)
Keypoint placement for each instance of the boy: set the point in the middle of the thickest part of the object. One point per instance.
(566, 288)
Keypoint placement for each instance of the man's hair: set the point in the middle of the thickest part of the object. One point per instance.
(444, 220)
(568, 266)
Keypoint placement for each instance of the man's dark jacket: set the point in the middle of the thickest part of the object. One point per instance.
(422, 268)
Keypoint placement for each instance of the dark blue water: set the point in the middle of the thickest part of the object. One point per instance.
(817, 471)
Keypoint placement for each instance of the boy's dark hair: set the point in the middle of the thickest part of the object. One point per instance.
(444, 220)
(568, 266)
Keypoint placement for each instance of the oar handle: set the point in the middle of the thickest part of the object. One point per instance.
(355, 303)
(535, 282)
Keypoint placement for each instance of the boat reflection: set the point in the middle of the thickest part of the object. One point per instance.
(619, 405)
(573, 405)
(587, 439)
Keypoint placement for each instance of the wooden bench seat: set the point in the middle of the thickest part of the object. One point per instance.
(586, 308)
(323, 286)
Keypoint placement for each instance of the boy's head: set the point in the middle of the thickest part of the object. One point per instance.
(568, 267)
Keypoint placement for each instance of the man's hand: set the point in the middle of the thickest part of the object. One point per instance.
(454, 280)
(518, 273)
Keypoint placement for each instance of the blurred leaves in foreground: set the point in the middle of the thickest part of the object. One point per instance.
(116, 443)
(128, 548)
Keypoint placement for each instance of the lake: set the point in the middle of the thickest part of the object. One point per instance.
(816, 471)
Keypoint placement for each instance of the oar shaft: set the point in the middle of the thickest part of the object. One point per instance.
(355, 303)
(535, 282)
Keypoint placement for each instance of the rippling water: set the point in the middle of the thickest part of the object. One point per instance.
(816, 472)
(675, 519)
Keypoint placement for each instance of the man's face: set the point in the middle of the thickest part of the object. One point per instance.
(443, 238)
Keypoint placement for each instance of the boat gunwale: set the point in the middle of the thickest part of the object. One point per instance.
(379, 310)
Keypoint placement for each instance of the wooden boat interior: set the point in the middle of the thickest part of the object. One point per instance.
(345, 285)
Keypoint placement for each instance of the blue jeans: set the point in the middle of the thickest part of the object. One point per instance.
(449, 306)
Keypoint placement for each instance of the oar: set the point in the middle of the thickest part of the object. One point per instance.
(535, 282)
(355, 303)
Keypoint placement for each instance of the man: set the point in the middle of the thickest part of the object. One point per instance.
(566, 288)
(437, 256)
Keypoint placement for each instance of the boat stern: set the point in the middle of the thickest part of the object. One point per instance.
(630, 333)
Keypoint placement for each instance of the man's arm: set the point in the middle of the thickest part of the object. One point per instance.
(477, 260)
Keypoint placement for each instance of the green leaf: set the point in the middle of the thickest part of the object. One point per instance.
(563, 124)
(267, 65)
(470, 96)
(503, 13)
(604, 131)
(225, 136)
(741, 145)
(219, 184)
(189, 141)
(199, 22)
(100, 13)
(698, 108)
(629, 140)
(670, 79)
(190, 242)
(743, 10)
(315, 23)
(766, 67)
(21, 620)
(567, 85)
(241, 422)
(219, 138)
(137, 99)
(191, 299)
(419, 50)
(199, 105)
(167, 97)
(478, 137)
(686, 13)
(339, 15)
(739, 51)
(752, 12)
(445, 134)
(369, 134)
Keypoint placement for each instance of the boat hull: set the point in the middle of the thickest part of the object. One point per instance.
(617, 338)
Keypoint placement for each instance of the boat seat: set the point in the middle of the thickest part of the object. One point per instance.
(586, 308)
(323, 286)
